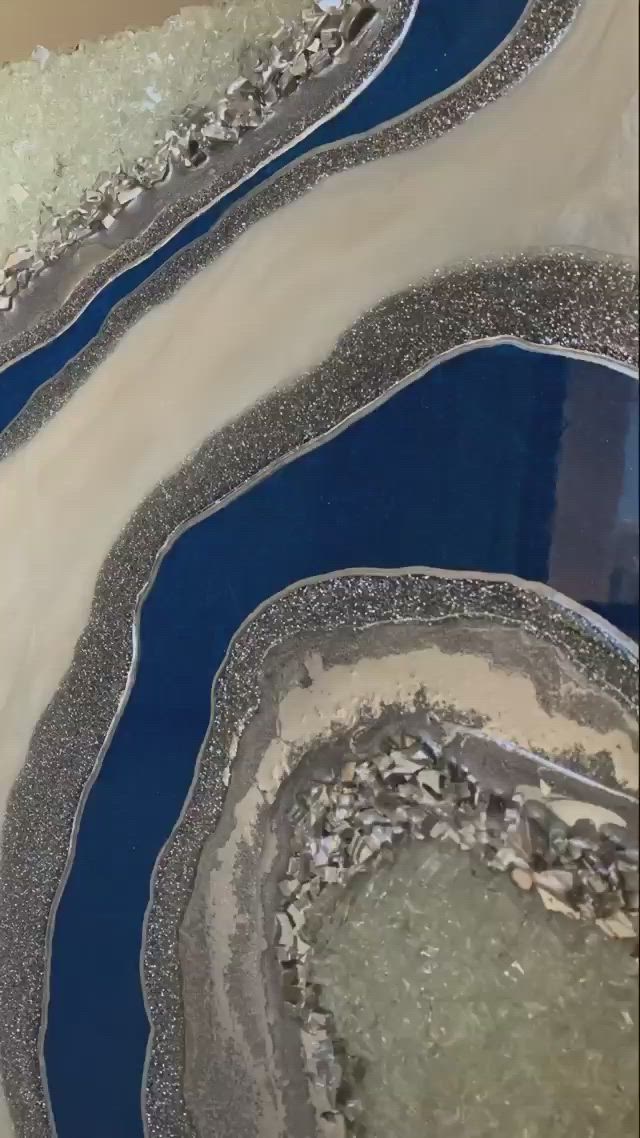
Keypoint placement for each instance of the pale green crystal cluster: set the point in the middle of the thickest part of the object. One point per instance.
(472, 1011)
(67, 118)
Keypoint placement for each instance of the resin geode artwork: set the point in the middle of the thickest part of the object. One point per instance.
(319, 569)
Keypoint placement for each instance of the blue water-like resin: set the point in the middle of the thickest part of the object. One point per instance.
(465, 469)
(447, 39)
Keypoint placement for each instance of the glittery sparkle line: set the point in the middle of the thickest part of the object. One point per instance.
(300, 78)
(351, 602)
(536, 34)
(564, 301)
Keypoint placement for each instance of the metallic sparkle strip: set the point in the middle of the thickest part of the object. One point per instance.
(354, 601)
(558, 301)
(308, 74)
(564, 301)
(536, 34)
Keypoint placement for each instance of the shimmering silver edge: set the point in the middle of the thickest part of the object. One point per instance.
(565, 302)
(538, 31)
(354, 600)
(277, 66)
(65, 287)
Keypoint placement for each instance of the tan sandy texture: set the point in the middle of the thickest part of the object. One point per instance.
(507, 702)
(335, 700)
(552, 161)
(61, 24)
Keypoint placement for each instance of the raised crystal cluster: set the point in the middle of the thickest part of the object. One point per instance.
(579, 859)
(230, 87)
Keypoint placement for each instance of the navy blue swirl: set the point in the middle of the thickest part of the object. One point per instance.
(448, 38)
(482, 464)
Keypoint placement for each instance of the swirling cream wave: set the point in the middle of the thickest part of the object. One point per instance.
(553, 162)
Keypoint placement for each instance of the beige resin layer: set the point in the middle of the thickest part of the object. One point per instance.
(506, 700)
(551, 162)
(337, 696)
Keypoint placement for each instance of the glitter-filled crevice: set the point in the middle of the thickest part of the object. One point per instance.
(210, 441)
(481, 711)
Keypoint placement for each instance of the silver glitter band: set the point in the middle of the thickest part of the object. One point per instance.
(564, 302)
(293, 82)
(39, 318)
(307, 615)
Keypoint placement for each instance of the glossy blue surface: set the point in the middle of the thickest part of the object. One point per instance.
(484, 463)
(495, 461)
(448, 39)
